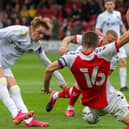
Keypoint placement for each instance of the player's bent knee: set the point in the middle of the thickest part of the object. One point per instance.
(14, 89)
(122, 62)
(126, 119)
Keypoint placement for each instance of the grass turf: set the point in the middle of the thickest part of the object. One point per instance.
(29, 73)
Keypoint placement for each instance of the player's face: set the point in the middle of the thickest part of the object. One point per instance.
(110, 6)
(108, 39)
(37, 33)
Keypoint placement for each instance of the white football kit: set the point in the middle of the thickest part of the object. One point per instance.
(14, 42)
(111, 21)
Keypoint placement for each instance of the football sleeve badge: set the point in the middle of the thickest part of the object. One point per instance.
(23, 33)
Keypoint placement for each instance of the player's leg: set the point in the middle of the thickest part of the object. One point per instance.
(73, 98)
(119, 107)
(4, 95)
(8, 102)
(16, 96)
(55, 95)
(123, 71)
(14, 90)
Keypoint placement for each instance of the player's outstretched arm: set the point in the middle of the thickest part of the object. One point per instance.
(46, 61)
(66, 41)
(48, 74)
(123, 39)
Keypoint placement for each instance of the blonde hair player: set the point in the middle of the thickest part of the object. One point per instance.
(15, 41)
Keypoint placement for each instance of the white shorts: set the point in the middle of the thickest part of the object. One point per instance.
(118, 107)
(122, 53)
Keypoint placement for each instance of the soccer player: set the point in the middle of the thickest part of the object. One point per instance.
(17, 116)
(14, 42)
(91, 68)
(111, 20)
(72, 92)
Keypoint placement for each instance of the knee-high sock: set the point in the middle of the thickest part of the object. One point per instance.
(17, 98)
(4, 96)
(64, 93)
(74, 96)
(123, 73)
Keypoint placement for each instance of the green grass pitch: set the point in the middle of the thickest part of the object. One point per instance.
(29, 73)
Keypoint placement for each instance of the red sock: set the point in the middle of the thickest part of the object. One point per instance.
(127, 127)
(64, 93)
(74, 96)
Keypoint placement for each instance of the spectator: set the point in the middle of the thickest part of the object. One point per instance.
(55, 30)
(24, 21)
(17, 21)
(69, 31)
(32, 11)
(16, 9)
(78, 29)
(8, 22)
(75, 13)
(24, 11)
(85, 11)
(95, 7)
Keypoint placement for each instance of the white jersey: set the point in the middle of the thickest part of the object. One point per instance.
(14, 42)
(109, 21)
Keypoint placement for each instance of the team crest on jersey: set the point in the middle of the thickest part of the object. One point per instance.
(23, 33)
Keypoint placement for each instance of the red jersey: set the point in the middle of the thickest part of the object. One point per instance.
(91, 73)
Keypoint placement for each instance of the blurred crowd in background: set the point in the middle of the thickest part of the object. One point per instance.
(66, 17)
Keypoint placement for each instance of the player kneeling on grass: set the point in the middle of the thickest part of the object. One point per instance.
(73, 93)
(91, 68)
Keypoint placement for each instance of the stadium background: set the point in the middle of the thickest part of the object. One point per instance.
(68, 18)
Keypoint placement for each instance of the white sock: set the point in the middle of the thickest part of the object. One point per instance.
(4, 96)
(70, 107)
(17, 98)
(123, 77)
(55, 96)
(28, 120)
